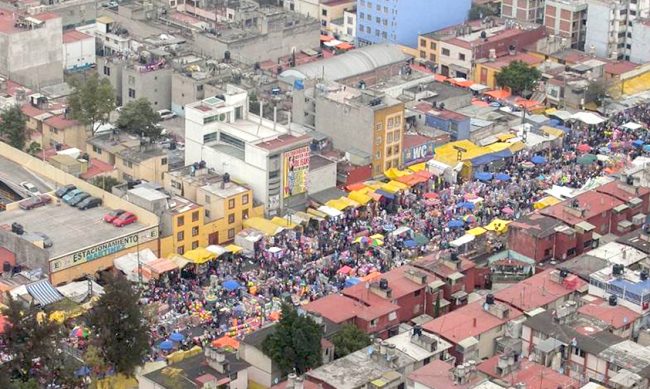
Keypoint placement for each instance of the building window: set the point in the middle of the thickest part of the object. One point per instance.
(423, 43)
(132, 93)
(180, 236)
(432, 57)
(207, 214)
(163, 161)
(180, 221)
(195, 244)
(373, 323)
(231, 218)
(211, 137)
(379, 126)
(324, 12)
(368, 29)
(378, 155)
(390, 123)
(389, 137)
(378, 140)
(107, 71)
(244, 214)
(195, 231)
(97, 150)
(180, 250)
(432, 45)
(244, 199)
(195, 216)
(231, 203)
(207, 199)
(231, 233)
(445, 52)
(361, 15)
(461, 56)
(131, 80)
(423, 54)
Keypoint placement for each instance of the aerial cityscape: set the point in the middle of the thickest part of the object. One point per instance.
(325, 194)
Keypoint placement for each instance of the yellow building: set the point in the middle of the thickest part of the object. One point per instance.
(428, 48)
(59, 129)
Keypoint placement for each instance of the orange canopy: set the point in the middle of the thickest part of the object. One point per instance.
(355, 186)
(439, 78)
(326, 38)
(345, 46)
(465, 84)
(226, 341)
(527, 103)
(498, 94)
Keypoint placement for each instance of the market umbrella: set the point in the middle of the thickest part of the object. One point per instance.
(345, 270)
(483, 176)
(527, 165)
(586, 159)
(409, 244)
(455, 224)
(502, 177)
(646, 148)
(584, 148)
(176, 337)
(389, 227)
(507, 211)
(351, 281)
(420, 239)
(79, 332)
(166, 345)
(376, 242)
(538, 160)
(604, 150)
(469, 218)
(430, 195)
(637, 143)
(82, 371)
(230, 285)
(466, 205)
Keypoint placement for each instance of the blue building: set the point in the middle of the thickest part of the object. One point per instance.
(401, 21)
(456, 124)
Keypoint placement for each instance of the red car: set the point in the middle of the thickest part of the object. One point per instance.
(35, 201)
(112, 215)
(125, 219)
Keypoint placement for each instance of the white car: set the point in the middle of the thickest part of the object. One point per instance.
(31, 188)
(166, 114)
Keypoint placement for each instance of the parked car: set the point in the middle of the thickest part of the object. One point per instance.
(78, 198)
(62, 191)
(112, 215)
(35, 202)
(47, 242)
(31, 188)
(166, 114)
(125, 219)
(68, 196)
(89, 202)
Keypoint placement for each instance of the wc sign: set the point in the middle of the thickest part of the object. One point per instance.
(418, 153)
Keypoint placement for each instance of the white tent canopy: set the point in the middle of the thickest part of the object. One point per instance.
(463, 240)
(128, 264)
(329, 211)
(80, 290)
(588, 118)
(632, 126)
(216, 249)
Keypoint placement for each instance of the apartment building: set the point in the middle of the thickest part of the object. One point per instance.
(359, 119)
(610, 31)
(567, 19)
(529, 11)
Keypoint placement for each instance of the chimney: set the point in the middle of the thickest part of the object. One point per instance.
(299, 383)
(291, 381)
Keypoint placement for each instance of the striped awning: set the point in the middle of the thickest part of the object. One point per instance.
(43, 292)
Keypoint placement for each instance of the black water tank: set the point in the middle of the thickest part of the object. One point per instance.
(17, 228)
(644, 275)
(612, 299)
(489, 299)
(383, 284)
(564, 273)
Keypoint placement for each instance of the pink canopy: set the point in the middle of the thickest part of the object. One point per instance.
(345, 269)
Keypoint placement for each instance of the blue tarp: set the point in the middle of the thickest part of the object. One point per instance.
(230, 285)
(466, 205)
(502, 177)
(638, 143)
(166, 345)
(351, 281)
(538, 160)
(646, 148)
(483, 176)
(43, 292)
(410, 243)
(388, 195)
(488, 158)
(455, 224)
(176, 337)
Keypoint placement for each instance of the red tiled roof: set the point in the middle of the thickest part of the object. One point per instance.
(95, 168)
(12, 86)
(533, 375)
(538, 291)
(339, 309)
(61, 123)
(74, 36)
(593, 203)
(412, 140)
(504, 61)
(435, 375)
(31, 111)
(46, 16)
(397, 281)
(617, 316)
(282, 141)
(470, 320)
(618, 190)
(619, 67)
(437, 266)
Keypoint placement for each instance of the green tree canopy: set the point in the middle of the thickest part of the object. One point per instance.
(118, 328)
(519, 77)
(597, 91)
(481, 11)
(105, 182)
(139, 118)
(295, 344)
(28, 337)
(348, 340)
(92, 101)
(12, 127)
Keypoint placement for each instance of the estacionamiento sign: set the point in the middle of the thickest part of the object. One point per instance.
(101, 250)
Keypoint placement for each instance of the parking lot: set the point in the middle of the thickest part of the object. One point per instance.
(69, 228)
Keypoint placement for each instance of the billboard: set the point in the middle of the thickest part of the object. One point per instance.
(295, 168)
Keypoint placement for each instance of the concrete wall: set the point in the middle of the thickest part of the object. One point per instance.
(79, 54)
(321, 178)
(111, 70)
(640, 43)
(597, 28)
(155, 86)
(27, 253)
(75, 12)
(349, 127)
(34, 57)
(186, 90)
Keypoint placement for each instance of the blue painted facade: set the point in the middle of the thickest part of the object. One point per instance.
(457, 127)
(401, 21)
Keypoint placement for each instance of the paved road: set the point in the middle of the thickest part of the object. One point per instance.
(13, 174)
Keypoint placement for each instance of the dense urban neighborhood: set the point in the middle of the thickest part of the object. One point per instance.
(325, 194)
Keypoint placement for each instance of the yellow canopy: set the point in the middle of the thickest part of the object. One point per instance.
(377, 236)
(477, 231)
(264, 226)
(180, 261)
(550, 111)
(337, 204)
(394, 173)
(505, 136)
(199, 255)
(350, 202)
(546, 202)
(233, 248)
(498, 146)
(282, 222)
(418, 167)
(360, 197)
(556, 132)
(497, 225)
(316, 212)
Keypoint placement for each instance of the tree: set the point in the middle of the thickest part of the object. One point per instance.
(105, 182)
(139, 118)
(295, 343)
(92, 101)
(597, 91)
(12, 127)
(34, 148)
(348, 340)
(117, 327)
(480, 11)
(519, 77)
(28, 337)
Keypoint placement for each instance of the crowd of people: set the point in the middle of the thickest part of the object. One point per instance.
(308, 261)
